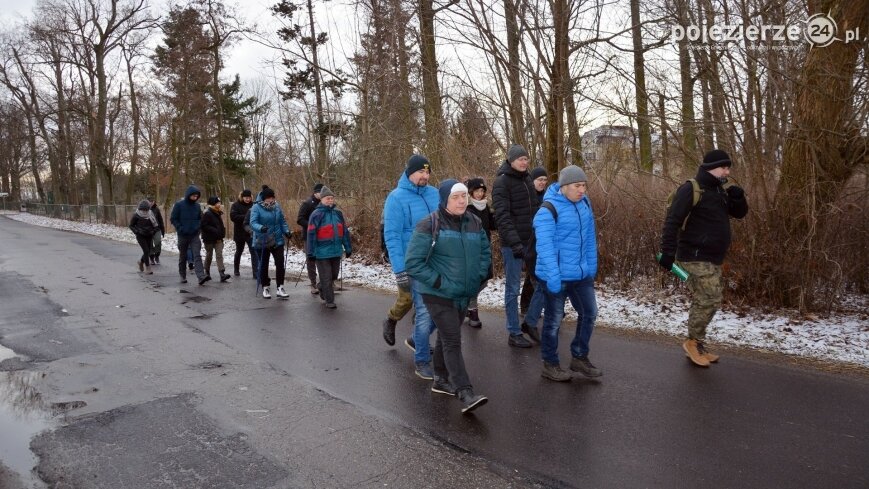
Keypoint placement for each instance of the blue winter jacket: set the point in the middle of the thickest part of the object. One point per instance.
(274, 220)
(566, 250)
(404, 207)
(187, 215)
(327, 233)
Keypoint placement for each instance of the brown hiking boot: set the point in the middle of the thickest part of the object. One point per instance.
(141, 266)
(701, 347)
(554, 372)
(691, 347)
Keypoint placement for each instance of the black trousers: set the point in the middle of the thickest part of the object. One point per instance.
(328, 270)
(280, 271)
(448, 361)
(145, 244)
(239, 249)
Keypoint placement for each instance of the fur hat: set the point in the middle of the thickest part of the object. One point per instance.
(475, 183)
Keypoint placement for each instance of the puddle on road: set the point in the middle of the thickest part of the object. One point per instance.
(22, 415)
(6, 353)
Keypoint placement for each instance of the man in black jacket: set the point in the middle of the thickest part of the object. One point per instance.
(239, 234)
(305, 211)
(697, 234)
(515, 202)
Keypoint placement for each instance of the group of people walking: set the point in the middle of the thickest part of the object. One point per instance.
(438, 242)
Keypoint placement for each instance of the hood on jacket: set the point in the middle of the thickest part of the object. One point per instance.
(193, 189)
(506, 169)
(405, 183)
(553, 194)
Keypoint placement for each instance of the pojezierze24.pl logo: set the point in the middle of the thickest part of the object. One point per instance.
(819, 30)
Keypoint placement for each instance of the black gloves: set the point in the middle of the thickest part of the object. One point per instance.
(264, 229)
(287, 236)
(666, 261)
(347, 254)
(735, 192)
(518, 251)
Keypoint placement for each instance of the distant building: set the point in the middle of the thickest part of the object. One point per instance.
(602, 140)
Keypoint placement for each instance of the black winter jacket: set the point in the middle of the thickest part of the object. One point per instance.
(515, 201)
(486, 217)
(212, 226)
(142, 226)
(305, 211)
(707, 232)
(159, 216)
(236, 214)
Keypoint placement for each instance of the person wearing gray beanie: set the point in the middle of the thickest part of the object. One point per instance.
(571, 174)
(326, 192)
(516, 151)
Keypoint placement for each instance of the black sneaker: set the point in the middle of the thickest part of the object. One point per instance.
(190, 266)
(519, 341)
(470, 401)
(585, 367)
(474, 319)
(442, 386)
(389, 331)
(532, 332)
(204, 279)
(224, 277)
(236, 272)
(156, 259)
(183, 280)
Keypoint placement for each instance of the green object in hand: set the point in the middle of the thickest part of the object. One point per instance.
(676, 269)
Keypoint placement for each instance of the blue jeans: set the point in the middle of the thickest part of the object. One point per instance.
(423, 327)
(512, 282)
(535, 307)
(581, 295)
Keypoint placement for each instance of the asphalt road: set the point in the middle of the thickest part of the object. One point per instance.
(653, 420)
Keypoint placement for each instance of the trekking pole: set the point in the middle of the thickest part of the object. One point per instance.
(301, 269)
(259, 266)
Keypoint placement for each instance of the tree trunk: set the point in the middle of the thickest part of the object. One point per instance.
(555, 111)
(322, 131)
(34, 158)
(643, 124)
(434, 114)
(517, 123)
(689, 127)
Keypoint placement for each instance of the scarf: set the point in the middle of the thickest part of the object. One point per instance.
(478, 204)
(149, 215)
(267, 205)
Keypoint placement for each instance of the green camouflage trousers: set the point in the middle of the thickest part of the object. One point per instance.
(706, 286)
(403, 304)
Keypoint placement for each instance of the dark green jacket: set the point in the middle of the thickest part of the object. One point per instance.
(459, 261)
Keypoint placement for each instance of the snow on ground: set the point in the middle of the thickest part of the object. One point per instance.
(839, 337)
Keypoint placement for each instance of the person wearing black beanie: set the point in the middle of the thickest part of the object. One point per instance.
(305, 211)
(697, 235)
(240, 234)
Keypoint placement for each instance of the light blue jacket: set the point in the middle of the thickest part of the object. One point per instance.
(273, 219)
(566, 250)
(404, 207)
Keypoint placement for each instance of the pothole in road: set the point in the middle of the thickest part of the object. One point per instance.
(22, 416)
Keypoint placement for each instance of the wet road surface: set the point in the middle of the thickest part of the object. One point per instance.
(652, 420)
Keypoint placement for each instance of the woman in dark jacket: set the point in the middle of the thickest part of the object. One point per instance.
(213, 232)
(144, 225)
(479, 206)
(157, 240)
(240, 235)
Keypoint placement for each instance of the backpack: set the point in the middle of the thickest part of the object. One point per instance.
(531, 256)
(697, 193)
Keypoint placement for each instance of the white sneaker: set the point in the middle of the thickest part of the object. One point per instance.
(281, 292)
(267, 294)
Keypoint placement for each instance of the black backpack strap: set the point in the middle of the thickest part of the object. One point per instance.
(551, 208)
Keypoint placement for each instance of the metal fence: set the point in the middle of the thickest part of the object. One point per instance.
(119, 215)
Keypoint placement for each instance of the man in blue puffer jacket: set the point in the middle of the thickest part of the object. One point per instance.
(412, 200)
(270, 231)
(566, 267)
(187, 218)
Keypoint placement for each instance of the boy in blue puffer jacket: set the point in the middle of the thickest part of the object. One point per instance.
(327, 239)
(270, 231)
(566, 267)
